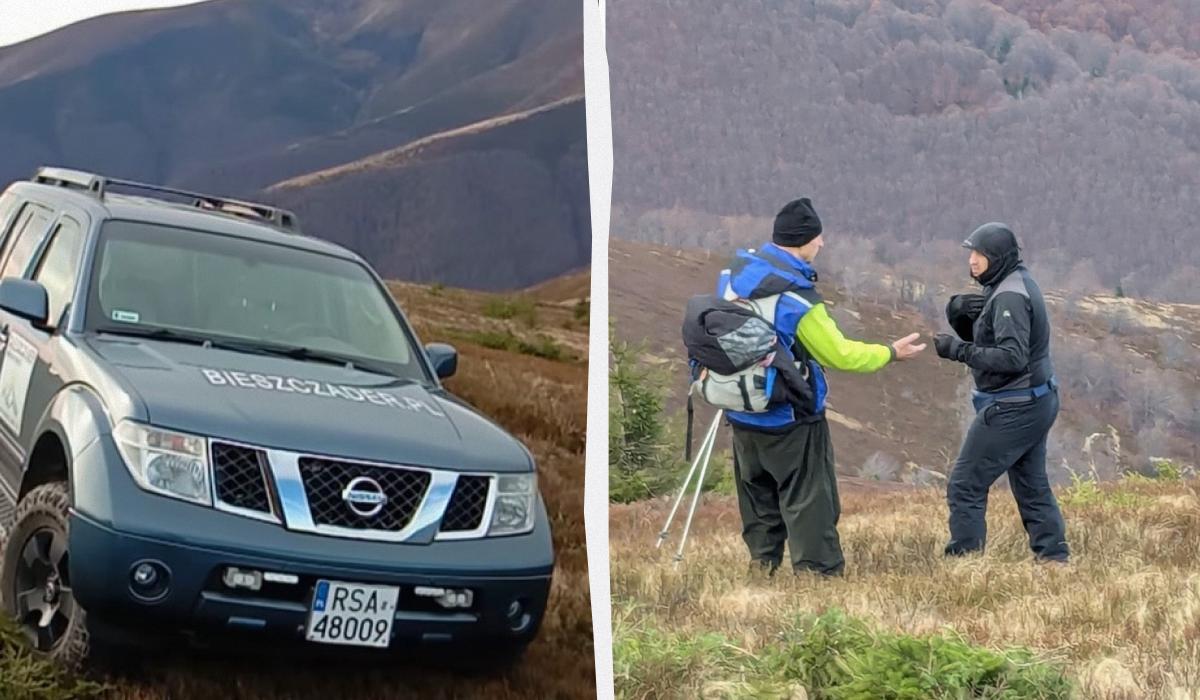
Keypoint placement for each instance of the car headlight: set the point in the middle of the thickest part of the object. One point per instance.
(512, 512)
(166, 462)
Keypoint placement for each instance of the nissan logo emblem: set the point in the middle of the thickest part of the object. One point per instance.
(365, 496)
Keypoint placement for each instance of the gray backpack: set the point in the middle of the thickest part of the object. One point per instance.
(737, 360)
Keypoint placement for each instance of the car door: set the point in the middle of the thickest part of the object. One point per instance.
(28, 233)
(55, 267)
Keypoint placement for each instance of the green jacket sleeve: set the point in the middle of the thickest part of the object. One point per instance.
(821, 336)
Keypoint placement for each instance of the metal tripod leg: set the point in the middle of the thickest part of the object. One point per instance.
(709, 438)
(707, 450)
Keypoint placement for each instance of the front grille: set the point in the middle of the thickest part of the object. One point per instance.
(325, 480)
(240, 480)
(465, 510)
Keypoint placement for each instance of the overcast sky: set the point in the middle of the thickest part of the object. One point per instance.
(23, 19)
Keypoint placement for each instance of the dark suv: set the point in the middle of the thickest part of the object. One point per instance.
(211, 423)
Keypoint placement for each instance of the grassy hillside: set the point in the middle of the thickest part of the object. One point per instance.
(533, 381)
(1122, 622)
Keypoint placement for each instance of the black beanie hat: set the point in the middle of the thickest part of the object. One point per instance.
(796, 224)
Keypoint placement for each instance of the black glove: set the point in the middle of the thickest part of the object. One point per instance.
(961, 312)
(947, 346)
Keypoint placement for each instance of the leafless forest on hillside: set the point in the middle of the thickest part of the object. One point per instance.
(909, 122)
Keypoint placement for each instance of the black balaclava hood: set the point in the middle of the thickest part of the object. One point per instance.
(997, 243)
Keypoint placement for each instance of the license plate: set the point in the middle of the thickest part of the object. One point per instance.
(354, 614)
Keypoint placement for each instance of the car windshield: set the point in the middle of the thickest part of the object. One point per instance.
(271, 297)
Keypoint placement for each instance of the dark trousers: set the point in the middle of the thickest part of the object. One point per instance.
(787, 493)
(1007, 437)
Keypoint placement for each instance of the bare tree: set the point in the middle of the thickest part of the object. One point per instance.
(880, 467)
(1147, 399)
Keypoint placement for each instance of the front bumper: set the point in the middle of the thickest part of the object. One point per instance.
(114, 525)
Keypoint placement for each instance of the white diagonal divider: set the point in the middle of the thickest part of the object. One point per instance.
(600, 168)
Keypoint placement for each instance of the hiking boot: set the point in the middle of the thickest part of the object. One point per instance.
(818, 573)
(763, 566)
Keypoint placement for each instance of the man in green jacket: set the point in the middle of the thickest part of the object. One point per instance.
(783, 457)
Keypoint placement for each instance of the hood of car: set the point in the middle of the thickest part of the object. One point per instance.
(306, 406)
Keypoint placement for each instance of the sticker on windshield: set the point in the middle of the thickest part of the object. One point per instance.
(295, 385)
(126, 316)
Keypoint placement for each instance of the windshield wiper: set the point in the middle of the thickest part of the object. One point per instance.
(156, 333)
(297, 352)
(257, 347)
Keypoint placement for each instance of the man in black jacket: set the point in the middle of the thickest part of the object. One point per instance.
(1016, 400)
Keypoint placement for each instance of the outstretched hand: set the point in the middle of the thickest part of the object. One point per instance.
(907, 346)
(946, 346)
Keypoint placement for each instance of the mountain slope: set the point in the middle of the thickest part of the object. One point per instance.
(918, 120)
(283, 73)
(233, 96)
(547, 74)
(229, 80)
(499, 202)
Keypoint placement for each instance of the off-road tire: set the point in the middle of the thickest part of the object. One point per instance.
(45, 507)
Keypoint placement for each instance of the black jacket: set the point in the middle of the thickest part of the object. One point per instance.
(1011, 348)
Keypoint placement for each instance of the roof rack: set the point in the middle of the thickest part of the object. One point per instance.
(63, 177)
(99, 185)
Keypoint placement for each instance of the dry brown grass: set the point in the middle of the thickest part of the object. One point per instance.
(544, 404)
(1124, 617)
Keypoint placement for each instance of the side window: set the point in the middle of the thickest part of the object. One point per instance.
(19, 224)
(8, 207)
(26, 237)
(59, 266)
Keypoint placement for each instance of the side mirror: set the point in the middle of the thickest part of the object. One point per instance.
(27, 299)
(444, 358)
